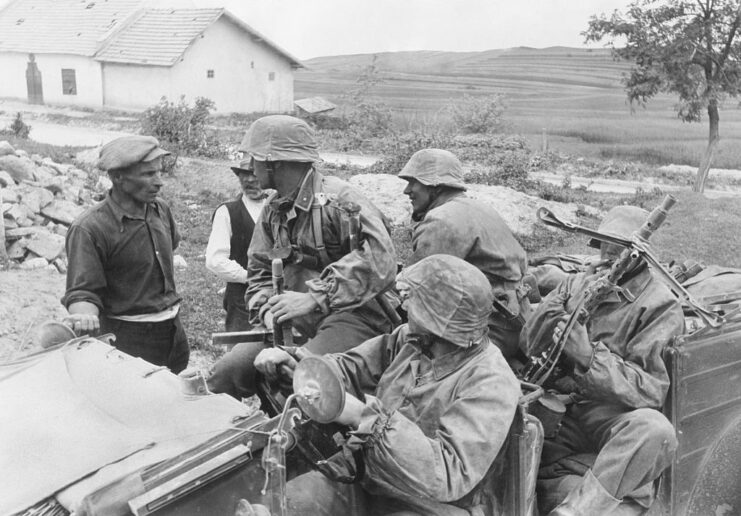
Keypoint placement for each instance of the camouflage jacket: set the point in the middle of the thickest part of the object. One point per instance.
(433, 427)
(628, 331)
(351, 278)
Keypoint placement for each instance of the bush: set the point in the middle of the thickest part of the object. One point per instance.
(401, 149)
(19, 128)
(478, 115)
(182, 129)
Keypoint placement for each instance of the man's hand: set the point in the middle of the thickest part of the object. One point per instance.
(351, 412)
(577, 347)
(290, 304)
(273, 362)
(83, 318)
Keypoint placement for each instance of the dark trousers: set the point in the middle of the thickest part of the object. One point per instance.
(237, 316)
(161, 343)
(235, 372)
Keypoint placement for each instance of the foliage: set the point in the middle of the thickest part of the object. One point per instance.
(364, 116)
(181, 128)
(19, 128)
(478, 114)
(688, 48)
(400, 149)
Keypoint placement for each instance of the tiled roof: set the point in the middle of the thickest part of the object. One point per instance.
(159, 37)
(61, 26)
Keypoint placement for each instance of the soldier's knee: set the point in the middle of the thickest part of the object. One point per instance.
(655, 429)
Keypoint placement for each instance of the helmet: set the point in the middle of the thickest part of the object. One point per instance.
(621, 222)
(280, 138)
(433, 167)
(448, 297)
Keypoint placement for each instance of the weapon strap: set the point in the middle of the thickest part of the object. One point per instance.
(316, 224)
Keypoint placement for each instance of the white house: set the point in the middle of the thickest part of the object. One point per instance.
(119, 54)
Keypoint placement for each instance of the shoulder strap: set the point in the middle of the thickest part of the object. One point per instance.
(316, 223)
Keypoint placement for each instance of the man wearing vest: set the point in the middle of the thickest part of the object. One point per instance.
(226, 253)
(330, 284)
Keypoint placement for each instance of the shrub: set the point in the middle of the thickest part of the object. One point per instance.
(182, 128)
(401, 149)
(478, 115)
(19, 128)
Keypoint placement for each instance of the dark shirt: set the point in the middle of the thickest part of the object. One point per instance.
(121, 263)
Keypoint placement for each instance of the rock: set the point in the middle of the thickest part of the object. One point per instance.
(17, 212)
(47, 245)
(62, 211)
(17, 249)
(179, 262)
(36, 158)
(19, 168)
(61, 265)
(45, 175)
(60, 229)
(6, 179)
(59, 168)
(387, 193)
(21, 153)
(10, 194)
(10, 224)
(6, 148)
(34, 263)
(104, 184)
(36, 198)
(11, 234)
(88, 158)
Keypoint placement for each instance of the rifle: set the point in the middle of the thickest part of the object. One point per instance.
(353, 232)
(541, 366)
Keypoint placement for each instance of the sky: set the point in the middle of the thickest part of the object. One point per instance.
(312, 28)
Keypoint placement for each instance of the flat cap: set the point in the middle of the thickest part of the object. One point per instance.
(126, 151)
(246, 165)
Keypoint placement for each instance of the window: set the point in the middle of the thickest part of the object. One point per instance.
(69, 82)
(271, 76)
(209, 74)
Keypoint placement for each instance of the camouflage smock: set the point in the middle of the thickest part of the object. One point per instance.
(629, 331)
(434, 426)
(351, 279)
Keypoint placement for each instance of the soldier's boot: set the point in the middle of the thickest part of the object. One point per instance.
(589, 498)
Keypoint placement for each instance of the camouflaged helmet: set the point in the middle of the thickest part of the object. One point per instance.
(280, 138)
(621, 222)
(433, 167)
(448, 297)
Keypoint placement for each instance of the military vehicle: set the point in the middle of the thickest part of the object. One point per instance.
(89, 430)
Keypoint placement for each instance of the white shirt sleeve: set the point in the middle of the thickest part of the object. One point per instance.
(218, 249)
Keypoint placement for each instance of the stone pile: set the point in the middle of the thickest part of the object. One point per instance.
(40, 198)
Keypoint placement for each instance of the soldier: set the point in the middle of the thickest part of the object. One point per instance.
(120, 277)
(614, 441)
(448, 222)
(331, 289)
(443, 401)
(226, 253)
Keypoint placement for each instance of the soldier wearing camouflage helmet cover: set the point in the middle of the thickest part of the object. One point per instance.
(430, 406)
(614, 440)
(330, 289)
(446, 221)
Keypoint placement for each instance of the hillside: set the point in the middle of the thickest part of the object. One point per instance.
(421, 80)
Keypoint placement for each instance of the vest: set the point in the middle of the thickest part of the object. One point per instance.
(242, 228)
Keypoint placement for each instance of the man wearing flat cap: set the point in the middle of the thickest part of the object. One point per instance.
(614, 442)
(226, 253)
(120, 276)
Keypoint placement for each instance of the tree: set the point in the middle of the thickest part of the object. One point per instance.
(687, 47)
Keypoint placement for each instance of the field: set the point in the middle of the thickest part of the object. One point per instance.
(573, 95)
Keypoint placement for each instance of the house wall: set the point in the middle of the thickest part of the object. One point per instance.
(240, 83)
(87, 78)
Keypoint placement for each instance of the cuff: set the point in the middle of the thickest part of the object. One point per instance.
(319, 290)
(600, 353)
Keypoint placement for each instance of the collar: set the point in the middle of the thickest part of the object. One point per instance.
(120, 214)
(445, 196)
(309, 187)
(450, 362)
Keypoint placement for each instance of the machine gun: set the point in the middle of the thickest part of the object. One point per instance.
(543, 363)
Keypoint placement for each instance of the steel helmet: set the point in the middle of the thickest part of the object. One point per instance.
(280, 138)
(621, 222)
(448, 297)
(433, 167)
